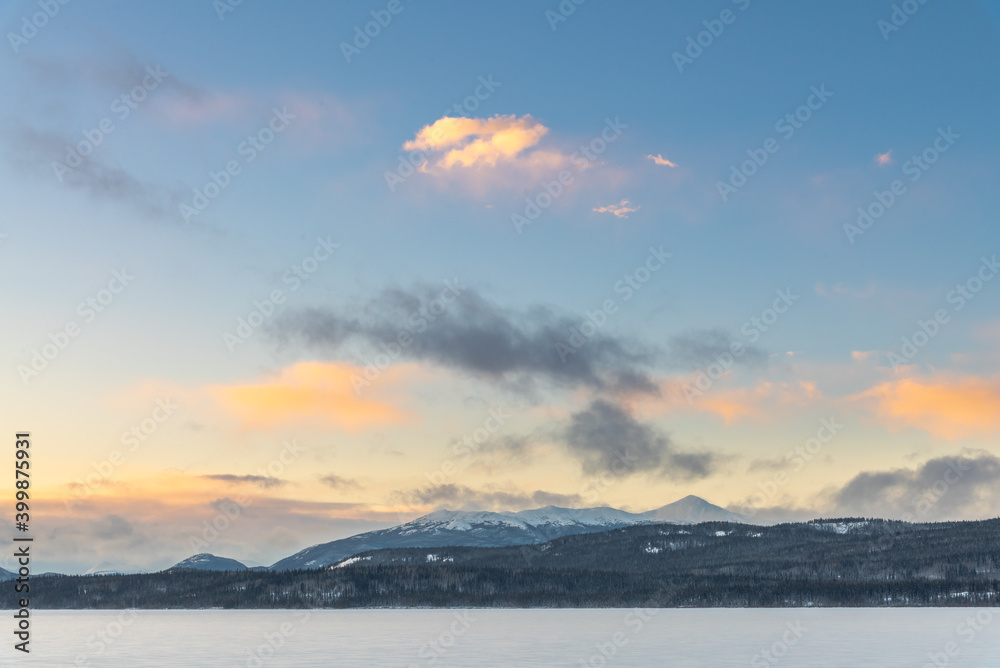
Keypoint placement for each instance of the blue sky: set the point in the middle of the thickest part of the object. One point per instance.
(889, 93)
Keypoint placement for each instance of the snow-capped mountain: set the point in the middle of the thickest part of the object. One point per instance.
(693, 510)
(444, 528)
(210, 562)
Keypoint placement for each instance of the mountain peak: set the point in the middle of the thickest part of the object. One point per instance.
(692, 510)
(209, 562)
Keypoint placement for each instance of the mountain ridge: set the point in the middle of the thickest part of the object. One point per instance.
(452, 528)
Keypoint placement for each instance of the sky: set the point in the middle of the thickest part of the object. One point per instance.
(276, 274)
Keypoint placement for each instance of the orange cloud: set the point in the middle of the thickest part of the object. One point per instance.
(753, 402)
(321, 391)
(620, 210)
(951, 409)
(883, 159)
(470, 142)
(658, 159)
(761, 401)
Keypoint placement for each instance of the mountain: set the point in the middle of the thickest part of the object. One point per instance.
(693, 510)
(850, 562)
(6, 575)
(445, 528)
(209, 562)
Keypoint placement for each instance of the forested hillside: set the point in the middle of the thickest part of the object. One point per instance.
(850, 562)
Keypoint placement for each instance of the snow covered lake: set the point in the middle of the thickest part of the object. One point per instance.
(709, 638)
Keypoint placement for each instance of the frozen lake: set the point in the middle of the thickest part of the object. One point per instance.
(709, 638)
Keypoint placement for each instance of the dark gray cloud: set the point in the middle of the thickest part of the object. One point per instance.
(35, 151)
(460, 497)
(946, 488)
(117, 73)
(111, 527)
(262, 481)
(340, 482)
(606, 437)
(697, 349)
(475, 335)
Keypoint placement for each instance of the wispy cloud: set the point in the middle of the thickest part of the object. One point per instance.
(883, 159)
(262, 481)
(461, 497)
(339, 482)
(35, 152)
(316, 391)
(658, 159)
(620, 210)
(951, 407)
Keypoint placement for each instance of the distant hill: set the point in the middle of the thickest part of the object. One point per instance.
(853, 562)
(496, 529)
(209, 562)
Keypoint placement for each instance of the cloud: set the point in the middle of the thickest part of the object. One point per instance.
(471, 334)
(264, 482)
(460, 497)
(319, 391)
(944, 488)
(475, 142)
(695, 349)
(758, 401)
(111, 527)
(660, 160)
(37, 151)
(172, 99)
(948, 407)
(339, 482)
(883, 159)
(606, 437)
(620, 210)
